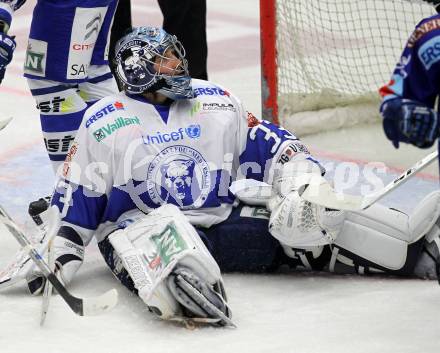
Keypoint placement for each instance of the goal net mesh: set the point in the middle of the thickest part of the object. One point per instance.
(337, 53)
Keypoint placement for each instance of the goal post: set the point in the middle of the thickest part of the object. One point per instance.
(323, 62)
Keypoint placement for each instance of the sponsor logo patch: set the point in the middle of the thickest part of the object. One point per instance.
(72, 151)
(169, 244)
(210, 91)
(109, 129)
(219, 107)
(104, 111)
(429, 53)
(422, 30)
(58, 145)
(192, 131)
(291, 150)
(35, 60)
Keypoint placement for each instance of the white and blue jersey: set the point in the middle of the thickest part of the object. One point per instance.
(66, 64)
(67, 37)
(132, 155)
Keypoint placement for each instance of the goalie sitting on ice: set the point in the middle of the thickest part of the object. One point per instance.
(149, 175)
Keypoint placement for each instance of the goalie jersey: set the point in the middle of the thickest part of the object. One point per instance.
(132, 155)
(417, 75)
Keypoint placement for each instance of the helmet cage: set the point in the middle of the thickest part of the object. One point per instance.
(143, 60)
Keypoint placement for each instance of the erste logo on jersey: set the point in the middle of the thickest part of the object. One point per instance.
(429, 52)
(104, 111)
(179, 175)
(193, 131)
(210, 91)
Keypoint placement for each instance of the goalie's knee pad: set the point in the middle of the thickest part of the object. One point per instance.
(153, 248)
(385, 239)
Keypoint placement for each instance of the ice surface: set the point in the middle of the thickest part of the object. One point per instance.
(283, 312)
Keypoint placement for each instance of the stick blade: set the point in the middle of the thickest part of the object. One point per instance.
(101, 304)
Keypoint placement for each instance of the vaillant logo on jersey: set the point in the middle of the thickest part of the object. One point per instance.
(104, 111)
(109, 129)
(192, 131)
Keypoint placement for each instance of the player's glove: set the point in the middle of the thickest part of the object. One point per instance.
(409, 121)
(294, 221)
(68, 251)
(7, 47)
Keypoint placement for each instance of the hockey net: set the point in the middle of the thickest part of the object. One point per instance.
(330, 58)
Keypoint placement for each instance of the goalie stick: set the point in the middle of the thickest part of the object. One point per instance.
(320, 192)
(80, 306)
(4, 122)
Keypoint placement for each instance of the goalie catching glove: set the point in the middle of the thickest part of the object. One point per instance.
(294, 221)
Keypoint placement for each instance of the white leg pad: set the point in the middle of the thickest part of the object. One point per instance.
(152, 246)
(382, 235)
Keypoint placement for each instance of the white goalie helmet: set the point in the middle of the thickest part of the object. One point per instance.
(141, 56)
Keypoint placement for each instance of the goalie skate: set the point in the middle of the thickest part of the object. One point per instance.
(207, 305)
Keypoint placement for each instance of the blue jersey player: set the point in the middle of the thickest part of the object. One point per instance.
(408, 107)
(66, 63)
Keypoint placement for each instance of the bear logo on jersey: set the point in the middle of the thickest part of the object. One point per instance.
(179, 175)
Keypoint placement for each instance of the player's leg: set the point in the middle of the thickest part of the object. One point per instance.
(58, 61)
(242, 243)
(160, 257)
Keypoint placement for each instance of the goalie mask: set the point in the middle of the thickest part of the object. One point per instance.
(151, 60)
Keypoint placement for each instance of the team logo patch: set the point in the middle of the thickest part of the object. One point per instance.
(179, 175)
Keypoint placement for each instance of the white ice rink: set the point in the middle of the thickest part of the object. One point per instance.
(284, 312)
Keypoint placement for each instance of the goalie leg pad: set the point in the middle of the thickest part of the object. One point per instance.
(388, 238)
(153, 246)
